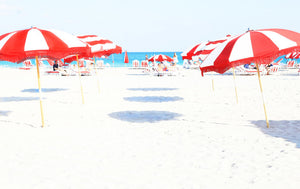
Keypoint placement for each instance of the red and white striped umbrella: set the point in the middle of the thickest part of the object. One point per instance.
(189, 53)
(34, 42)
(99, 47)
(293, 55)
(260, 46)
(160, 58)
(202, 50)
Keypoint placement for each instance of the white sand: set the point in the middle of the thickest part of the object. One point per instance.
(145, 132)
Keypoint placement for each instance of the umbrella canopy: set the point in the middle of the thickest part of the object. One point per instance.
(34, 42)
(99, 47)
(203, 49)
(293, 55)
(160, 58)
(260, 46)
(189, 53)
(25, 44)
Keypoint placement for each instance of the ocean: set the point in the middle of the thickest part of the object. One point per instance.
(115, 60)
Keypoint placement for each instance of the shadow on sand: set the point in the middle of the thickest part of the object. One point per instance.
(17, 99)
(4, 113)
(141, 74)
(286, 129)
(156, 99)
(152, 89)
(44, 90)
(144, 116)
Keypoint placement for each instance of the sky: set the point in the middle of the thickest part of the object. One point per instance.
(152, 25)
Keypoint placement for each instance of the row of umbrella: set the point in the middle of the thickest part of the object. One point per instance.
(158, 58)
(38, 43)
(255, 46)
(293, 55)
(259, 46)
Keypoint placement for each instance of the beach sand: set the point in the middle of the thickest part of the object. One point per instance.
(143, 131)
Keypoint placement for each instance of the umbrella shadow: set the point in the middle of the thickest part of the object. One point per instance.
(152, 89)
(4, 113)
(144, 116)
(45, 90)
(16, 123)
(288, 130)
(17, 99)
(155, 99)
(141, 74)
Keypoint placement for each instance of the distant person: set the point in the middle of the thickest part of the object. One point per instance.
(246, 66)
(175, 60)
(55, 66)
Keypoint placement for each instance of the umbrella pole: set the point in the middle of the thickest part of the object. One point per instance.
(40, 91)
(213, 84)
(236, 95)
(98, 82)
(262, 95)
(79, 74)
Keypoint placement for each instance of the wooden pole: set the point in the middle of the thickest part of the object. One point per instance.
(98, 82)
(79, 74)
(40, 91)
(213, 84)
(262, 95)
(236, 95)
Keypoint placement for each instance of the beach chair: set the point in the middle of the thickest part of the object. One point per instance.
(156, 72)
(241, 70)
(135, 63)
(81, 63)
(85, 73)
(274, 69)
(299, 71)
(100, 64)
(27, 65)
(290, 64)
(144, 64)
(52, 72)
(173, 71)
(83, 69)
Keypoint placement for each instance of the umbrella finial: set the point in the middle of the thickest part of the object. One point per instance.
(249, 30)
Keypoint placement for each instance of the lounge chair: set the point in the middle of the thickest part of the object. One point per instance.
(273, 69)
(241, 70)
(85, 73)
(170, 71)
(290, 64)
(52, 72)
(144, 64)
(135, 63)
(27, 65)
(100, 64)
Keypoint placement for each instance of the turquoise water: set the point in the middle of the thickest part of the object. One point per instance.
(284, 60)
(115, 60)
